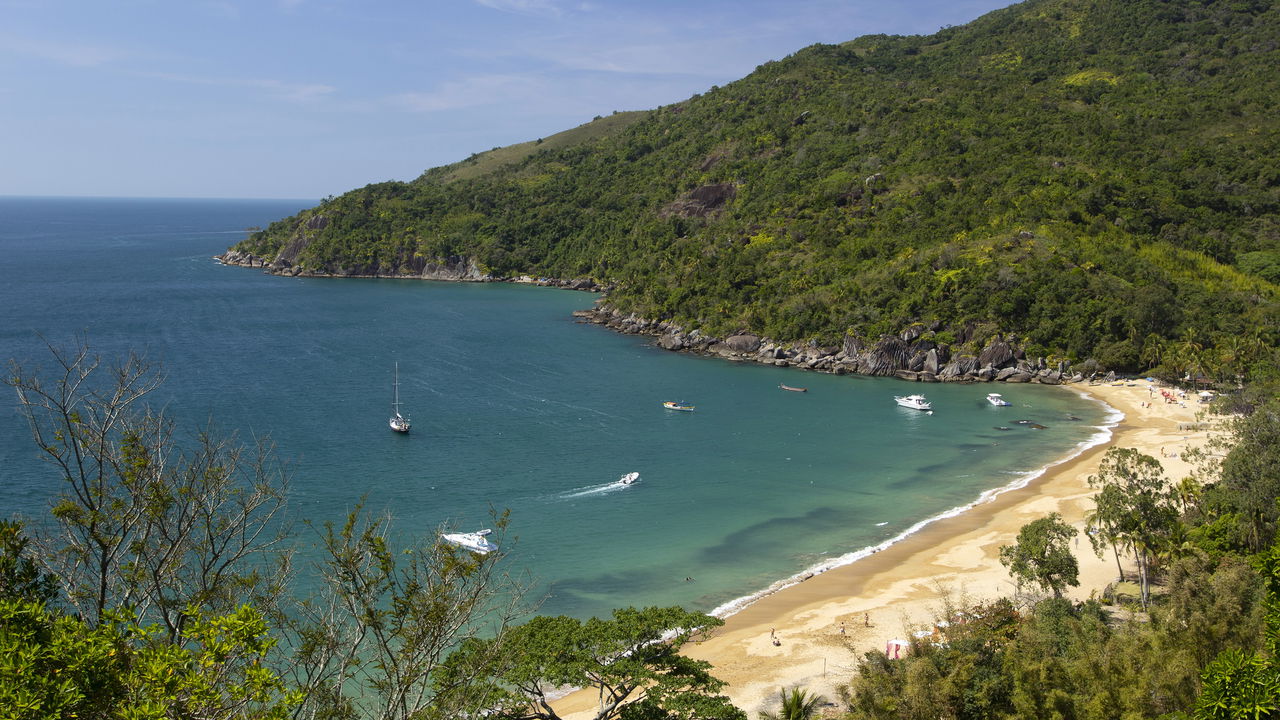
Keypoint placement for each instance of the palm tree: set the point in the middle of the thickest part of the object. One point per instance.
(796, 705)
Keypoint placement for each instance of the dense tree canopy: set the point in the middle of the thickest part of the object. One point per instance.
(1094, 176)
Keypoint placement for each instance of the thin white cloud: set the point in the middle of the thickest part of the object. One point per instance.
(544, 8)
(296, 92)
(75, 55)
(470, 92)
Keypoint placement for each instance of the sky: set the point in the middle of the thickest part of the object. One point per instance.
(309, 98)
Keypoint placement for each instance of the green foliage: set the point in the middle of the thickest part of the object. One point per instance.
(1252, 474)
(1239, 685)
(1088, 176)
(138, 522)
(1135, 509)
(55, 665)
(632, 661)
(1207, 645)
(20, 575)
(370, 643)
(1042, 555)
(796, 704)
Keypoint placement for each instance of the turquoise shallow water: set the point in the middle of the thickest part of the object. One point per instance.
(514, 406)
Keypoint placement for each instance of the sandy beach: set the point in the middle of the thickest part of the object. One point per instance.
(825, 623)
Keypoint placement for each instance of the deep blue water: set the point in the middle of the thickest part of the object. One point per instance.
(514, 406)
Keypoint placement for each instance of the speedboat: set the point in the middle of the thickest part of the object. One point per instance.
(915, 402)
(476, 542)
(998, 400)
(677, 406)
(794, 389)
(629, 479)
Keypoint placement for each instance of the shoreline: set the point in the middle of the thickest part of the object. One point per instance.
(826, 620)
(1103, 437)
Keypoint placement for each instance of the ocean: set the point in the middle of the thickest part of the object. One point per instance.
(514, 406)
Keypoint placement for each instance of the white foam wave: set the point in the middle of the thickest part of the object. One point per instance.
(594, 490)
(1112, 417)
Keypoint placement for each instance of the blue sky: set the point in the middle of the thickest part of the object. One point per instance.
(307, 98)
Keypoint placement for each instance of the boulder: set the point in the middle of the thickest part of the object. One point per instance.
(997, 355)
(931, 362)
(887, 357)
(962, 365)
(671, 341)
(743, 343)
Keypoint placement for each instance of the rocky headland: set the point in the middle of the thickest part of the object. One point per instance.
(908, 355)
(454, 269)
(912, 354)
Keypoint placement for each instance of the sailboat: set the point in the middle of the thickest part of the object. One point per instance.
(398, 422)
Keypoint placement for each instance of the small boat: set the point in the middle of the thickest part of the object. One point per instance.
(630, 478)
(1000, 427)
(793, 389)
(915, 402)
(398, 422)
(477, 542)
(998, 400)
(677, 406)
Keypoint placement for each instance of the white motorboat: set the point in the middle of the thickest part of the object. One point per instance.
(629, 479)
(915, 402)
(398, 422)
(477, 542)
(998, 400)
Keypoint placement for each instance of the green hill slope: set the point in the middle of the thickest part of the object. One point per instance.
(1097, 177)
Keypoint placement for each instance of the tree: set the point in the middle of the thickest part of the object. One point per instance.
(1137, 508)
(57, 665)
(172, 547)
(632, 661)
(371, 643)
(797, 704)
(1240, 684)
(1103, 524)
(1252, 470)
(140, 522)
(20, 575)
(1042, 555)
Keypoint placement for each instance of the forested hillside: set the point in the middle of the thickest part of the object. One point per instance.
(1098, 178)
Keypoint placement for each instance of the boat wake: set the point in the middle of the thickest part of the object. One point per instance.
(621, 483)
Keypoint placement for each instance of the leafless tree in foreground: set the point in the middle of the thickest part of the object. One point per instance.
(139, 522)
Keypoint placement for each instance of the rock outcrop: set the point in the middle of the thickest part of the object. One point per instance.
(909, 355)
